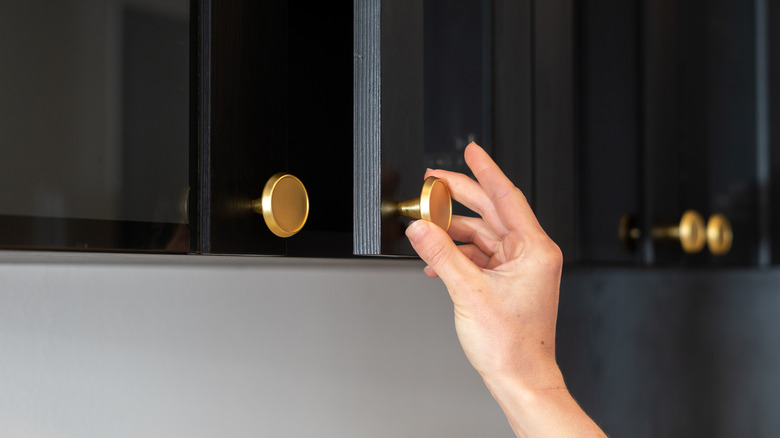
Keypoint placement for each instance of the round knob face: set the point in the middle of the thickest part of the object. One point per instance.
(285, 204)
(436, 203)
(719, 235)
(693, 235)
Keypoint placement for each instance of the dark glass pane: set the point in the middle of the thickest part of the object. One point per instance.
(94, 119)
(457, 65)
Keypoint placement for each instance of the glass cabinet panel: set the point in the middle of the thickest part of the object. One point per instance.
(94, 124)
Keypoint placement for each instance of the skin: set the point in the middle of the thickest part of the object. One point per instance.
(504, 283)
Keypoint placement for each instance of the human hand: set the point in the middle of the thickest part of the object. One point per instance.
(504, 280)
(504, 283)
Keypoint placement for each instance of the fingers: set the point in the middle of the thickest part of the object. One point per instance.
(469, 193)
(441, 254)
(476, 255)
(510, 203)
(473, 253)
(474, 230)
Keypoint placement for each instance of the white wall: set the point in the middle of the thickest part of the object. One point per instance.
(147, 346)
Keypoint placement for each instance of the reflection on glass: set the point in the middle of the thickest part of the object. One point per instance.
(94, 109)
(457, 47)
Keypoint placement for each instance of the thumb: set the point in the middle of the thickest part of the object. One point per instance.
(437, 249)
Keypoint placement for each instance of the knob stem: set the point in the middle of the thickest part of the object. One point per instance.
(690, 232)
(434, 204)
(660, 233)
(410, 208)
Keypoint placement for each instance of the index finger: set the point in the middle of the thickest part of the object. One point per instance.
(512, 206)
(469, 193)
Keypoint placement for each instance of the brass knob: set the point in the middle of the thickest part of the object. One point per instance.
(719, 235)
(284, 204)
(691, 232)
(434, 204)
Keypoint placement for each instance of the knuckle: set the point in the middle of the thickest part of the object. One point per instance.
(509, 192)
(521, 194)
(483, 206)
(550, 256)
(437, 254)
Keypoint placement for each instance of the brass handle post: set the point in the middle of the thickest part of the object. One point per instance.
(434, 204)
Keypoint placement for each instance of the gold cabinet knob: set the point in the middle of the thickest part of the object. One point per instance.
(284, 204)
(691, 232)
(719, 235)
(434, 204)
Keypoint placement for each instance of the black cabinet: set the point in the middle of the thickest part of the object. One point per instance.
(674, 105)
(209, 99)
(597, 110)
(277, 93)
(672, 114)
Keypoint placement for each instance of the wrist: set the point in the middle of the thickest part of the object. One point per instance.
(541, 406)
(533, 370)
(521, 388)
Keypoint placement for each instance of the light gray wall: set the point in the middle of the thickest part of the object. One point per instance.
(169, 346)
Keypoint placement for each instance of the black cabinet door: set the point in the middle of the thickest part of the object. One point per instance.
(704, 133)
(275, 97)
(388, 118)
(429, 78)
(672, 115)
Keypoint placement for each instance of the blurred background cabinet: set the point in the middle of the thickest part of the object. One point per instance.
(673, 114)
(675, 103)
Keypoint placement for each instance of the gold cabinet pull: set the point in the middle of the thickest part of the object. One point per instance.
(434, 204)
(690, 232)
(719, 235)
(284, 204)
